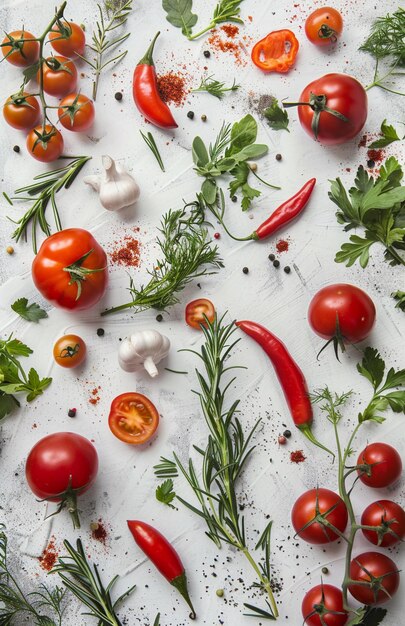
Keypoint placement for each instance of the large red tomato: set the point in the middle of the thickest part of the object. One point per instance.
(311, 508)
(70, 269)
(381, 465)
(381, 574)
(336, 110)
(388, 518)
(323, 606)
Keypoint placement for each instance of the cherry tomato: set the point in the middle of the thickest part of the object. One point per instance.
(390, 519)
(196, 310)
(78, 114)
(22, 111)
(70, 269)
(310, 506)
(342, 311)
(323, 606)
(324, 26)
(69, 351)
(340, 93)
(133, 418)
(21, 53)
(68, 39)
(382, 465)
(368, 567)
(59, 76)
(45, 147)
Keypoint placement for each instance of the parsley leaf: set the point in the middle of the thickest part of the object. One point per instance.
(277, 118)
(241, 173)
(368, 616)
(179, 14)
(7, 404)
(372, 367)
(400, 297)
(389, 135)
(31, 312)
(165, 493)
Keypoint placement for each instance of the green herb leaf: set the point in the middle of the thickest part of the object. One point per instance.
(31, 71)
(368, 616)
(7, 404)
(389, 135)
(372, 367)
(209, 190)
(200, 153)
(179, 14)
(31, 312)
(239, 183)
(165, 493)
(243, 134)
(215, 87)
(157, 620)
(399, 296)
(357, 249)
(151, 143)
(277, 118)
(15, 347)
(387, 38)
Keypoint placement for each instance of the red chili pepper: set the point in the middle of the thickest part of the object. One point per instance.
(276, 52)
(163, 556)
(146, 93)
(290, 377)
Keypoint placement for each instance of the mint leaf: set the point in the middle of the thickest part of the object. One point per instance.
(389, 135)
(277, 118)
(30, 312)
(372, 367)
(179, 14)
(165, 493)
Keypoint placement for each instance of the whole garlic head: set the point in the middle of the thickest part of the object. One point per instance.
(117, 188)
(144, 348)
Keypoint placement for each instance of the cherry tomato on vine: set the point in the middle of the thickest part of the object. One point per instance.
(368, 567)
(389, 517)
(70, 269)
(195, 311)
(382, 465)
(22, 111)
(69, 351)
(68, 39)
(323, 606)
(133, 418)
(23, 53)
(324, 26)
(76, 112)
(59, 76)
(313, 510)
(45, 147)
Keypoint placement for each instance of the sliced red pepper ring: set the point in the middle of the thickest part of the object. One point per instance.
(276, 52)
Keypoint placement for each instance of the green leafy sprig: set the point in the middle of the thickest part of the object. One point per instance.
(179, 14)
(277, 118)
(30, 312)
(215, 87)
(151, 143)
(389, 135)
(399, 297)
(165, 492)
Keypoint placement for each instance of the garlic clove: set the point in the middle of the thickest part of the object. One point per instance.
(117, 188)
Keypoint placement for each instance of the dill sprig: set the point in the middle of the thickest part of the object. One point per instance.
(215, 87)
(85, 583)
(187, 253)
(151, 143)
(116, 15)
(15, 604)
(224, 457)
(42, 193)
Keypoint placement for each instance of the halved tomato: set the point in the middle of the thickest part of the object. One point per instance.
(196, 310)
(133, 418)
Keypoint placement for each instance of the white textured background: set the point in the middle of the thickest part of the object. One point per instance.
(271, 483)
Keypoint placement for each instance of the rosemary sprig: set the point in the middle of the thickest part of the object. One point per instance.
(42, 193)
(151, 143)
(215, 87)
(224, 456)
(116, 15)
(15, 604)
(187, 253)
(85, 583)
(166, 468)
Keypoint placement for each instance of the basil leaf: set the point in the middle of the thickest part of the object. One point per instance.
(243, 134)
(179, 14)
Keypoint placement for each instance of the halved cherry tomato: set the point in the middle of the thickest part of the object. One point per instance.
(59, 76)
(195, 311)
(133, 418)
(324, 26)
(69, 351)
(68, 39)
(76, 112)
(21, 53)
(21, 111)
(276, 52)
(45, 147)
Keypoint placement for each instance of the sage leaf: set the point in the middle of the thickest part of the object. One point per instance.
(179, 14)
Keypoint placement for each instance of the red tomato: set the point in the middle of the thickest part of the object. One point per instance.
(308, 509)
(76, 112)
(59, 76)
(340, 93)
(70, 269)
(68, 39)
(69, 351)
(45, 147)
(60, 467)
(133, 418)
(389, 518)
(21, 53)
(380, 572)
(323, 606)
(324, 26)
(342, 311)
(382, 465)
(196, 310)
(22, 111)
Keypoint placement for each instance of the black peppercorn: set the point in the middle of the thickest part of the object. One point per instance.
(234, 198)
(287, 433)
(276, 263)
(118, 95)
(16, 148)
(271, 257)
(190, 115)
(72, 413)
(370, 163)
(287, 269)
(245, 270)
(278, 157)
(159, 317)
(207, 54)
(100, 332)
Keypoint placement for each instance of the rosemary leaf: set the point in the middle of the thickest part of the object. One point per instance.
(215, 87)
(151, 143)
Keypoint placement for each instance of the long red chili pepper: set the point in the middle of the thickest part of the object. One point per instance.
(146, 93)
(289, 375)
(163, 556)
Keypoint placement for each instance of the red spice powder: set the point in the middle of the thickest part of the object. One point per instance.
(127, 252)
(220, 44)
(99, 531)
(172, 88)
(376, 155)
(363, 142)
(49, 556)
(297, 456)
(96, 398)
(282, 245)
(231, 30)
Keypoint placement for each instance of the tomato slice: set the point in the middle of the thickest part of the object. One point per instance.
(196, 310)
(133, 418)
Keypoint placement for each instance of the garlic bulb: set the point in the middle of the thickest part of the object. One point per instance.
(143, 348)
(117, 188)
